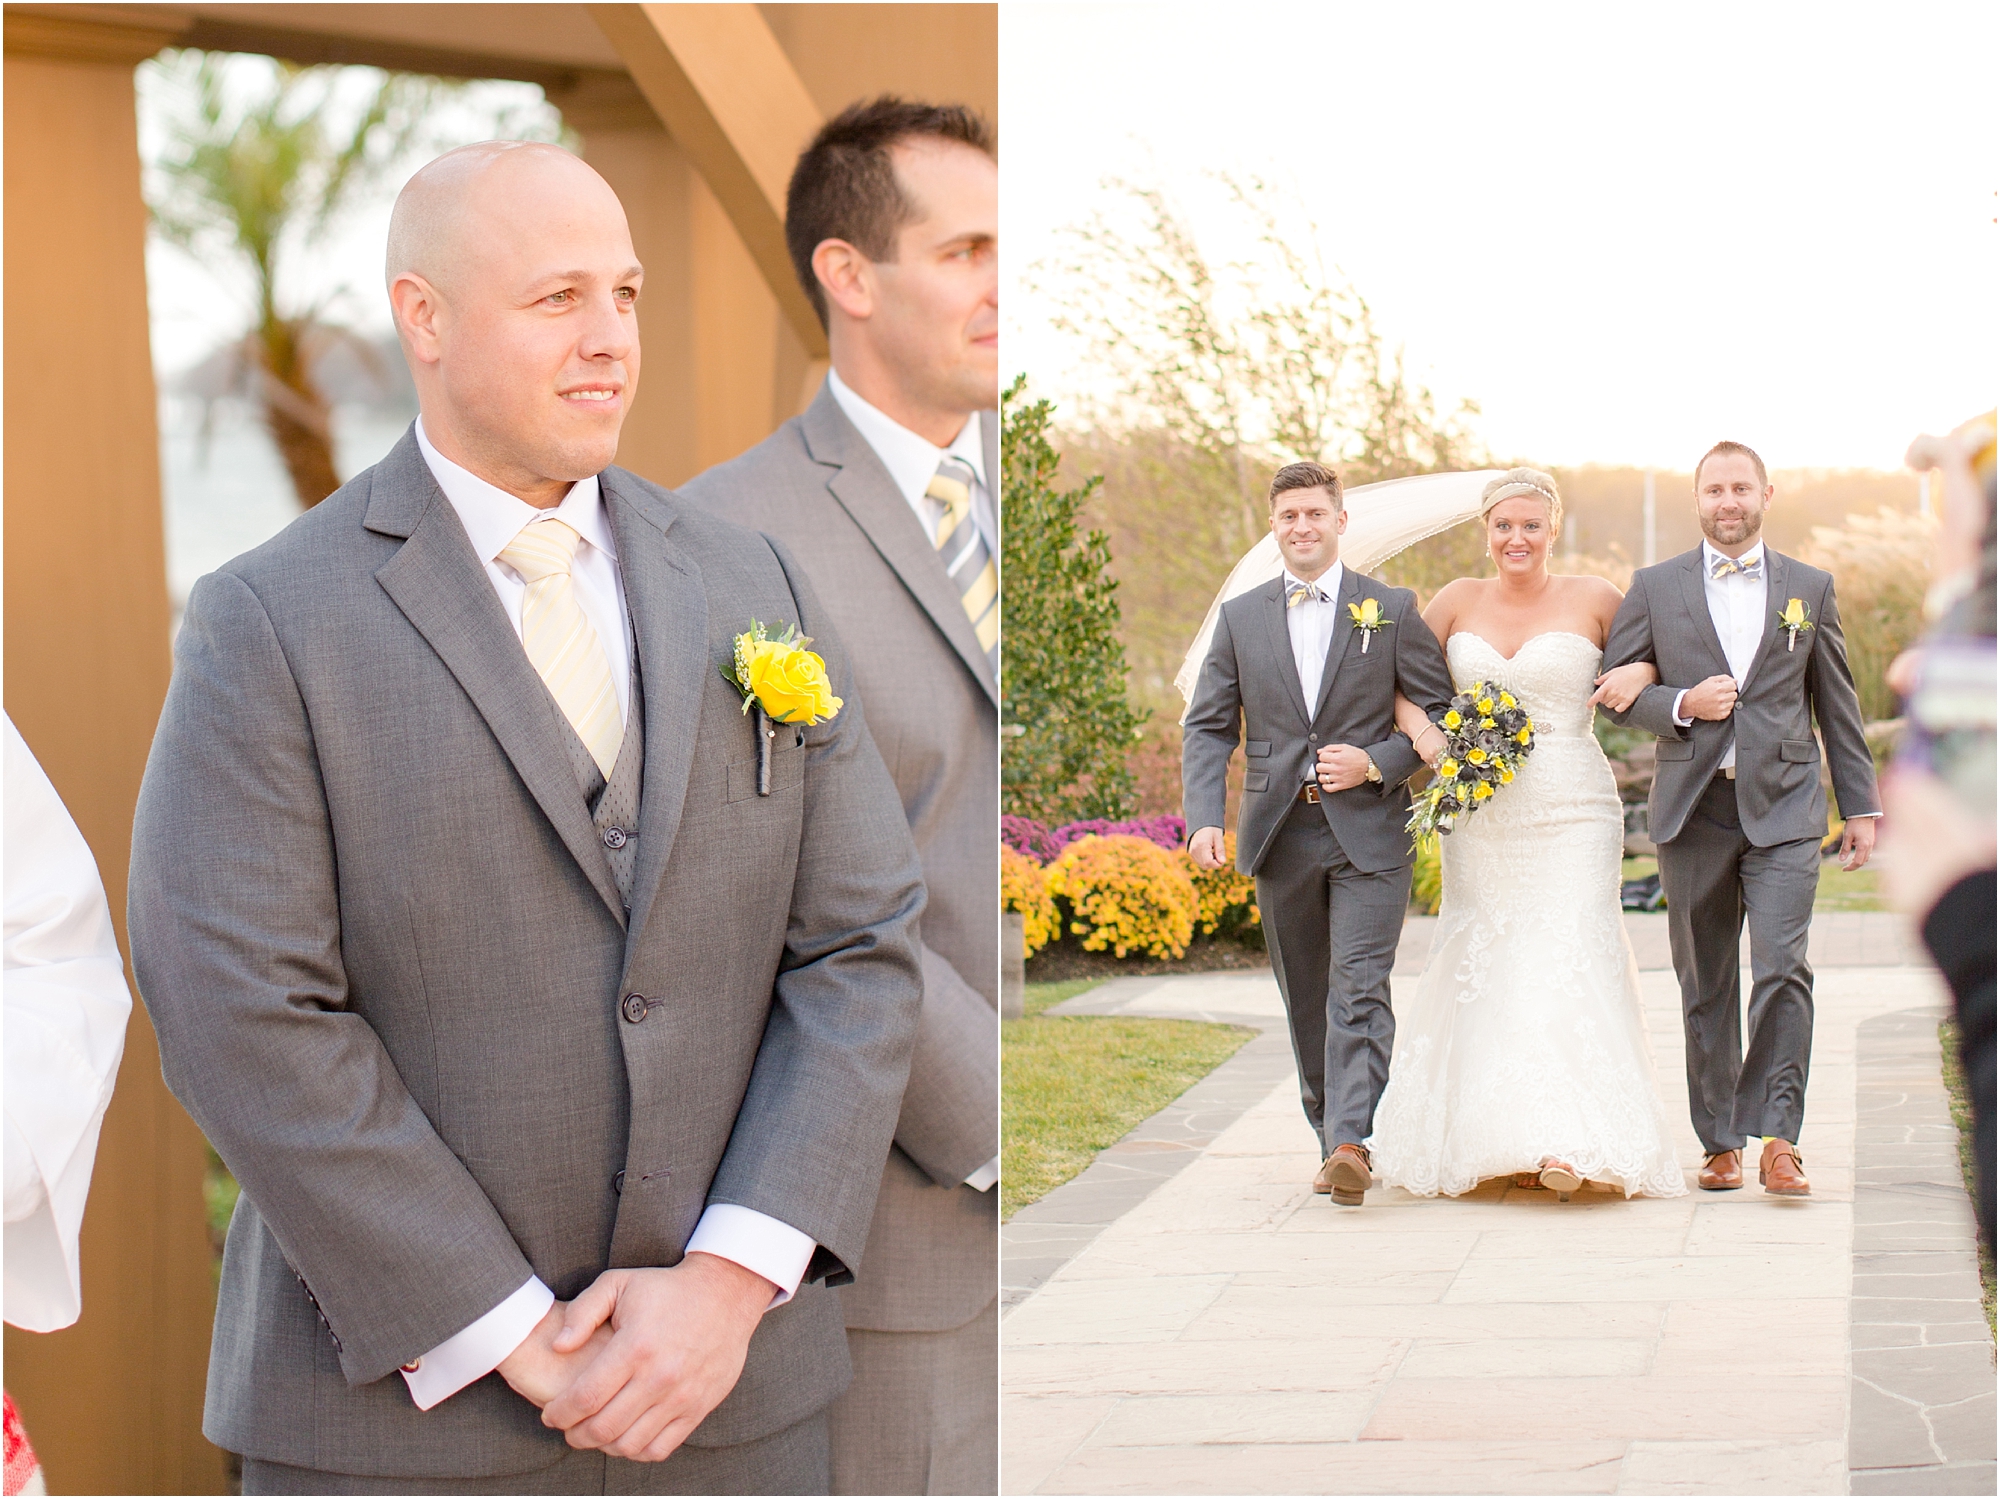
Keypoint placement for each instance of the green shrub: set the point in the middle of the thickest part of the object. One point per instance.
(1066, 722)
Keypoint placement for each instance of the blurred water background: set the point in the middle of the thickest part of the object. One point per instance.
(225, 490)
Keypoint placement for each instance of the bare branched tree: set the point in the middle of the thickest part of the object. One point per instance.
(1260, 361)
(1201, 377)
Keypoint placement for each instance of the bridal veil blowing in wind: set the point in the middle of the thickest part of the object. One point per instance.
(1382, 520)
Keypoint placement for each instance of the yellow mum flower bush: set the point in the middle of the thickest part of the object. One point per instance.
(1126, 894)
(1024, 887)
(1222, 897)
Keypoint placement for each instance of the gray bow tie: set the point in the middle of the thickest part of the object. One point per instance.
(1298, 593)
(1722, 567)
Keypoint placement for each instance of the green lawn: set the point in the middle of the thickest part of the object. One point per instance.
(1073, 1084)
(1961, 1115)
(1838, 890)
(1841, 891)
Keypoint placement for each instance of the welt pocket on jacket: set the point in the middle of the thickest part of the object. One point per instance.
(788, 767)
(1256, 780)
(1674, 749)
(1256, 748)
(1799, 751)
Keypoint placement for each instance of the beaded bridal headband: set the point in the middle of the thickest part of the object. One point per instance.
(1520, 481)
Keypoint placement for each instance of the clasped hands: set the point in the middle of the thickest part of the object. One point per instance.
(637, 1361)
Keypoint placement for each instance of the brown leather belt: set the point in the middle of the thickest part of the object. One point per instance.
(1728, 772)
(1310, 792)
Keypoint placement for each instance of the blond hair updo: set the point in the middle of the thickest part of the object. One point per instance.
(1523, 481)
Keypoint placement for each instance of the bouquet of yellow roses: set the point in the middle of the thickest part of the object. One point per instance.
(1488, 734)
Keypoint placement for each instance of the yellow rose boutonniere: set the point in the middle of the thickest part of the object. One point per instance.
(1367, 617)
(1794, 617)
(783, 681)
(778, 674)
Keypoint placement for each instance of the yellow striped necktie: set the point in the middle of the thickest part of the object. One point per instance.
(966, 556)
(559, 640)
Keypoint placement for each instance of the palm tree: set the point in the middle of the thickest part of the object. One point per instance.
(257, 178)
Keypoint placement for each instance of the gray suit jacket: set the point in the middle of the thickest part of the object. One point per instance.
(933, 707)
(1665, 620)
(1250, 679)
(387, 961)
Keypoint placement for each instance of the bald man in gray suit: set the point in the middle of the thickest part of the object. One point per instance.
(553, 1012)
(884, 488)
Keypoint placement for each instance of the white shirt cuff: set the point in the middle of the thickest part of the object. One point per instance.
(476, 1351)
(759, 1243)
(1679, 697)
(983, 1179)
(1856, 817)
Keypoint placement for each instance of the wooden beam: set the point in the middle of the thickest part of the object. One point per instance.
(113, 1403)
(118, 34)
(732, 101)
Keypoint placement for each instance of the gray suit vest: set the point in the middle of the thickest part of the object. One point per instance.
(614, 804)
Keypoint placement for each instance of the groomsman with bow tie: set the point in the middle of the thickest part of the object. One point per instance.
(553, 1012)
(1290, 675)
(1751, 657)
(885, 489)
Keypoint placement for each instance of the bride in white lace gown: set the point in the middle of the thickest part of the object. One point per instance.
(1524, 1048)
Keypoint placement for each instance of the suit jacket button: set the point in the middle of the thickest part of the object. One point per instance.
(634, 1008)
(616, 838)
(1312, 739)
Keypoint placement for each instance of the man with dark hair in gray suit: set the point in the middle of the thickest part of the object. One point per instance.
(1296, 674)
(1750, 655)
(552, 1011)
(885, 489)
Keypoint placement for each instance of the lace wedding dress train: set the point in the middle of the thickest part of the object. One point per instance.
(1525, 1038)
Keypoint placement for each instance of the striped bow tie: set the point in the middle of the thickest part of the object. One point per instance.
(1298, 593)
(1722, 567)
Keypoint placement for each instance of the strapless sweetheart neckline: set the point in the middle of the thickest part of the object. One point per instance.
(1544, 635)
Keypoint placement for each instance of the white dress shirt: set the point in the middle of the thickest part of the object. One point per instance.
(493, 518)
(912, 461)
(1311, 625)
(66, 1007)
(1736, 606)
(777, 1251)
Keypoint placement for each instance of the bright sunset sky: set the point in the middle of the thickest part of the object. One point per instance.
(1625, 232)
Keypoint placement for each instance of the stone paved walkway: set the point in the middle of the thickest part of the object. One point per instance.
(1187, 1317)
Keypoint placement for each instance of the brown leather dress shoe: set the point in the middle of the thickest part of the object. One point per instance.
(1721, 1172)
(1347, 1175)
(1779, 1171)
